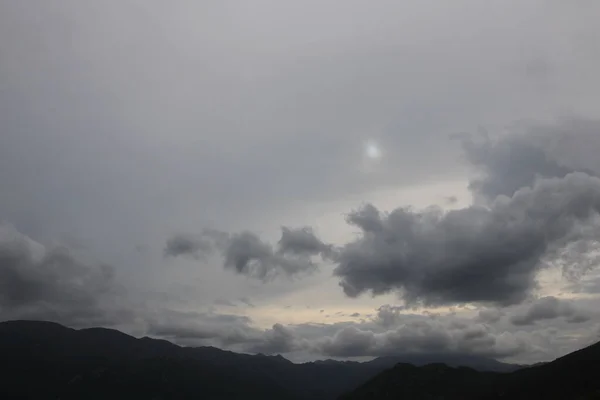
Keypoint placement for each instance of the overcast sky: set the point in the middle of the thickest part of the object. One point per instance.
(313, 178)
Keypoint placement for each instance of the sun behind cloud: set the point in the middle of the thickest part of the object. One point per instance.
(372, 150)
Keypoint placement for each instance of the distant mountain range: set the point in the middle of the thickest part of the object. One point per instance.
(572, 377)
(45, 360)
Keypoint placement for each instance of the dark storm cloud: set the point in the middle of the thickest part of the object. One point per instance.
(246, 253)
(548, 308)
(475, 254)
(51, 284)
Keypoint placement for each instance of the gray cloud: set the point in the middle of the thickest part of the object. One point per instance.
(278, 339)
(196, 246)
(509, 162)
(538, 212)
(187, 245)
(367, 218)
(245, 252)
(490, 315)
(485, 254)
(236, 332)
(224, 302)
(348, 342)
(451, 200)
(37, 282)
(421, 336)
(388, 316)
(588, 284)
(414, 334)
(195, 328)
(240, 302)
(247, 301)
(578, 257)
(302, 241)
(548, 308)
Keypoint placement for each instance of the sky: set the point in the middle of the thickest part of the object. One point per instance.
(318, 179)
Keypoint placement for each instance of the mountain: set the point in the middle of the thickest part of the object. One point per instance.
(572, 377)
(452, 360)
(45, 360)
(433, 381)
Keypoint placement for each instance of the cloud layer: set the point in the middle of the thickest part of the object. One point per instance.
(40, 282)
(548, 308)
(189, 114)
(538, 208)
(424, 336)
(49, 283)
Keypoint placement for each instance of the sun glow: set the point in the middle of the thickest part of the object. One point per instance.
(372, 150)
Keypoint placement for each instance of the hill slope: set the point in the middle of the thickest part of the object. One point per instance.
(48, 360)
(575, 376)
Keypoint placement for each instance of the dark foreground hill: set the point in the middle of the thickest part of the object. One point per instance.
(44, 360)
(573, 377)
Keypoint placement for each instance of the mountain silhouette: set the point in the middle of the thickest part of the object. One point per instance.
(573, 377)
(45, 360)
